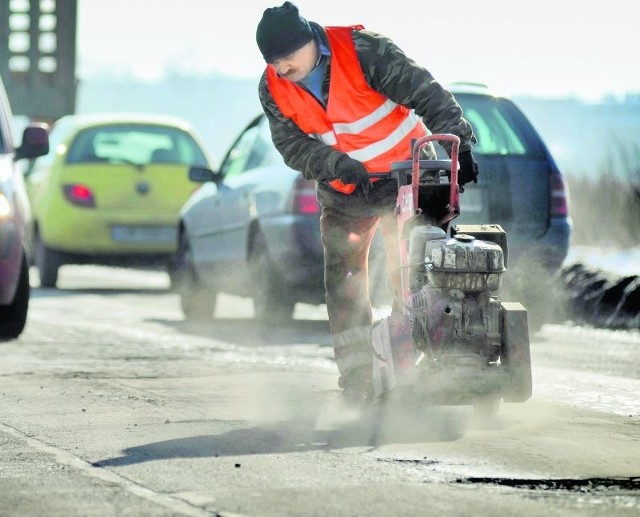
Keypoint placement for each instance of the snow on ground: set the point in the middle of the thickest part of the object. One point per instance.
(622, 262)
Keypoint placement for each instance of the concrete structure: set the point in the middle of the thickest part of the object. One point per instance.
(38, 57)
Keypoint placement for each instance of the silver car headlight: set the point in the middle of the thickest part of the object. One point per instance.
(6, 210)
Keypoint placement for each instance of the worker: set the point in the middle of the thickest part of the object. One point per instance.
(344, 102)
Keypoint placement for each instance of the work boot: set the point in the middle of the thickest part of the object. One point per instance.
(355, 363)
(357, 387)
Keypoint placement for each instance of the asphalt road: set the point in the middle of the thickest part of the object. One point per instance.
(111, 404)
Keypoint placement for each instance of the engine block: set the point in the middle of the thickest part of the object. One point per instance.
(452, 309)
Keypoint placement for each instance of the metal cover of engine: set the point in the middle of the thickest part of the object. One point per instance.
(464, 262)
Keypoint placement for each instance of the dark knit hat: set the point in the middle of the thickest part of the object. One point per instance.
(282, 31)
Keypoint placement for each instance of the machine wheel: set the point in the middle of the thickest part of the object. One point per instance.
(516, 354)
(197, 301)
(48, 262)
(14, 315)
(271, 301)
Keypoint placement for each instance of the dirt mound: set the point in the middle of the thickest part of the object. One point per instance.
(600, 298)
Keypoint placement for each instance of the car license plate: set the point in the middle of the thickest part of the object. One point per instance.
(144, 233)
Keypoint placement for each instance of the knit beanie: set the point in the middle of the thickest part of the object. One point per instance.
(282, 31)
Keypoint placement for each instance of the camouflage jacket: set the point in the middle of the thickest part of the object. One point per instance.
(389, 71)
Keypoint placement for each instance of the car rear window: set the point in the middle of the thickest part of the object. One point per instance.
(500, 127)
(137, 144)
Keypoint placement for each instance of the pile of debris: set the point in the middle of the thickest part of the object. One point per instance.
(600, 298)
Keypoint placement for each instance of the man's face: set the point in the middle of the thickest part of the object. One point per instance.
(297, 65)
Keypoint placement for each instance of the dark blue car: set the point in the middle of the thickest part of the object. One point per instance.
(520, 185)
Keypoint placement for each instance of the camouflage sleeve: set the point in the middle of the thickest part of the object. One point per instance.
(314, 159)
(388, 70)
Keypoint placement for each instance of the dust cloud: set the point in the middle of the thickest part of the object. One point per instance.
(294, 419)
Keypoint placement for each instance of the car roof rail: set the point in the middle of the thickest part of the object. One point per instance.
(468, 87)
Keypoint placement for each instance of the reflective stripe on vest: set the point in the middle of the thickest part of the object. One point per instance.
(358, 120)
(377, 148)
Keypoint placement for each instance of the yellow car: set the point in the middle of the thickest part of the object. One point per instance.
(110, 190)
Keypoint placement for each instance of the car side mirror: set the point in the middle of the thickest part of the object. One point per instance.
(35, 142)
(203, 174)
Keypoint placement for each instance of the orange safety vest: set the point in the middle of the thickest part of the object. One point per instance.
(358, 120)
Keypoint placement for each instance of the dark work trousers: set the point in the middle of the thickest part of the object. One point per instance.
(347, 240)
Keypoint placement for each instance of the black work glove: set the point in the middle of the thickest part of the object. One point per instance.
(352, 171)
(468, 169)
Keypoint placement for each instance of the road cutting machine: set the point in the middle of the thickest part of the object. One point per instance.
(454, 342)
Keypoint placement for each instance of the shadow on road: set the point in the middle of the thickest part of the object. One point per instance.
(246, 332)
(370, 431)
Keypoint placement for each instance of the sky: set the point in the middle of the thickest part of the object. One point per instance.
(545, 48)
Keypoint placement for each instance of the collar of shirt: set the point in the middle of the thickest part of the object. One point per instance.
(313, 81)
(324, 50)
